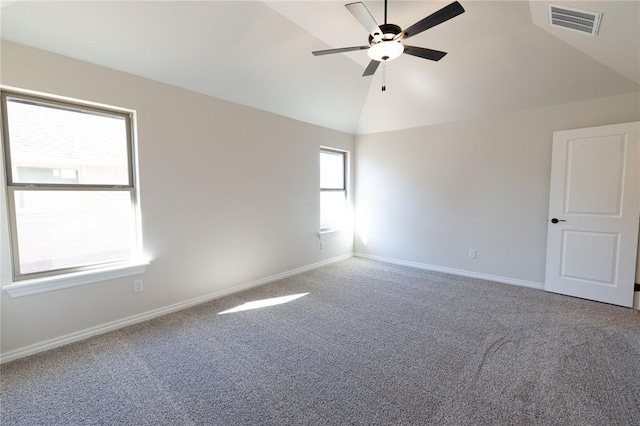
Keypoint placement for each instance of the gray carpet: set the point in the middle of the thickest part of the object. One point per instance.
(371, 343)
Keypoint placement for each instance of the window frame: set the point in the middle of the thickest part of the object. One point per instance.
(324, 231)
(79, 274)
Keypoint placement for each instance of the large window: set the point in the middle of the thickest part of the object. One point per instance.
(70, 185)
(333, 189)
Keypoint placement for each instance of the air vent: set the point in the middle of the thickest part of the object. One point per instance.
(583, 21)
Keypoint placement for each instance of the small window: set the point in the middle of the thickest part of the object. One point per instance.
(70, 185)
(333, 189)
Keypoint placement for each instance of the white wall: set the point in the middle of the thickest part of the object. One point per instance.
(229, 196)
(429, 194)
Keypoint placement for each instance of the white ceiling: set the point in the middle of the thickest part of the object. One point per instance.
(501, 55)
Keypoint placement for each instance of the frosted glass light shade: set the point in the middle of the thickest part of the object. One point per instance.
(385, 50)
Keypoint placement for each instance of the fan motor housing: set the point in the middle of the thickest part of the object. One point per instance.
(389, 31)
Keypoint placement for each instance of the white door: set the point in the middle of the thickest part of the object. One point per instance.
(594, 208)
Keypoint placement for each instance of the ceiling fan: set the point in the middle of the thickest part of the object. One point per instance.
(386, 40)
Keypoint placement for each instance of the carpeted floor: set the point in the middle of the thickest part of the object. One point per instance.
(371, 343)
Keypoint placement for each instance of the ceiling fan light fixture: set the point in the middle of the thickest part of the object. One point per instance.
(385, 50)
(385, 41)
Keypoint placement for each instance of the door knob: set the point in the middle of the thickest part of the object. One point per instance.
(556, 220)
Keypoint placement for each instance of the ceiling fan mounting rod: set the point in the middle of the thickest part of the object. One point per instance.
(385, 12)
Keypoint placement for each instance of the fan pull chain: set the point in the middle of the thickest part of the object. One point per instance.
(384, 76)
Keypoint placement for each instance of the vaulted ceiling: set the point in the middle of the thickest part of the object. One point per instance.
(502, 55)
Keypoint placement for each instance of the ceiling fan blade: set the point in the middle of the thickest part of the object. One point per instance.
(362, 14)
(436, 18)
(339, 50)
(371, 68)
(421, 52)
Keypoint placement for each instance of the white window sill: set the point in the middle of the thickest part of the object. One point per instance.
(45, 284)
(330, 233)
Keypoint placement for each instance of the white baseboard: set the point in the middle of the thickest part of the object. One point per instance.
(134, 319)
(460, 272)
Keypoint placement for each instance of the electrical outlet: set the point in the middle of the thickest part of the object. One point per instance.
(472, 253)
(321, 245)
(137, 286)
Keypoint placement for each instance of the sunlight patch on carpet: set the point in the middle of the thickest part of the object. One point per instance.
(256, 304)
